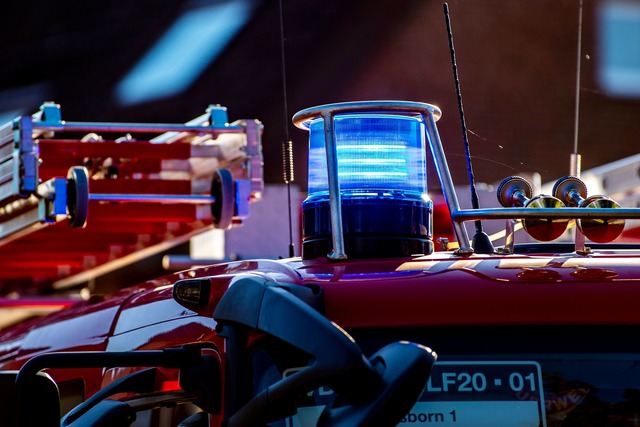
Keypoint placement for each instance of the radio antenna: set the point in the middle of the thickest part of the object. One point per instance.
(287, 145)
(574, 168)
(481, 242)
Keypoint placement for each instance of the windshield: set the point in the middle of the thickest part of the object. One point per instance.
(502, 377)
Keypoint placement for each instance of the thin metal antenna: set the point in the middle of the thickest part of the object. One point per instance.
(287, 145)
(481, 242)
(574, 168)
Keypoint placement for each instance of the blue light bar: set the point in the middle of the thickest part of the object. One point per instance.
(381, 153)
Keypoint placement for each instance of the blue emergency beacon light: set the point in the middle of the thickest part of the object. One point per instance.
(367, 183)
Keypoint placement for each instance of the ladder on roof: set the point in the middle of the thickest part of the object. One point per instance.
(77, 195)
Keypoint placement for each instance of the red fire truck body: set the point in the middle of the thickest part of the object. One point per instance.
(441, 290)
(487, 298)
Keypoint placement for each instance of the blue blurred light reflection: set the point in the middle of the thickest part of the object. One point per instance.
(184, 52)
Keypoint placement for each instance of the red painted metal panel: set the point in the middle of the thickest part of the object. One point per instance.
(72, 148)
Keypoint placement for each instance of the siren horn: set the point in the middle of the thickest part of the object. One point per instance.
(574, 192)
(516, 191)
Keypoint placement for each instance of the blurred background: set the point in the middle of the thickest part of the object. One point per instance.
(149, 61)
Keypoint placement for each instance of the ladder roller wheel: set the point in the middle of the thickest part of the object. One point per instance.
(77, 196)
(222, 190)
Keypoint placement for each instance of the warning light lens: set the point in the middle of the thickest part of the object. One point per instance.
(381, 171)
(376, 153)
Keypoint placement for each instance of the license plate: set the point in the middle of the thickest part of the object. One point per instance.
(461, 394)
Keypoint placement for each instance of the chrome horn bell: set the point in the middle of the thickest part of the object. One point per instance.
(516, 191)
(600, 230)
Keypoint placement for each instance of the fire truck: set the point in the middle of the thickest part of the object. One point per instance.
(383, 320)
